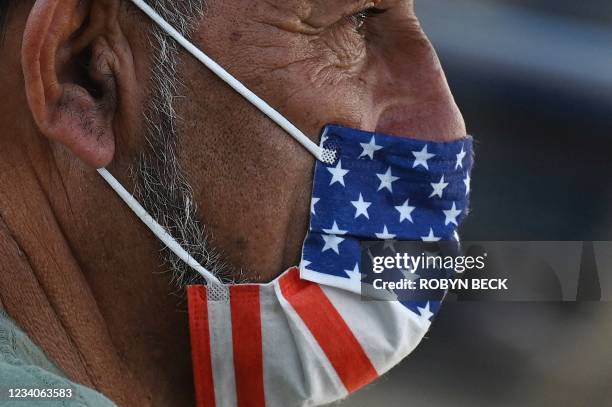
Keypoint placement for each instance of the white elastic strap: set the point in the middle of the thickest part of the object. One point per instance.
(233, 82)
(156, 228)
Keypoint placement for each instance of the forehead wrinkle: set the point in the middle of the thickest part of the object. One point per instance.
(309, 16)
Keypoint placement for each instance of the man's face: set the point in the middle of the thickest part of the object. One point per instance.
(356, 63)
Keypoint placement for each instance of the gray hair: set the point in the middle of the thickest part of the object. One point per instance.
(160, 183)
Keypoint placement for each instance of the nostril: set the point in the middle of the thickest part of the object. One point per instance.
(438, 121)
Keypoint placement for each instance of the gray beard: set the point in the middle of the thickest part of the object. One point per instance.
(160, 183)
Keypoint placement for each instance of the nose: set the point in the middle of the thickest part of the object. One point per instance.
(416, 100)
(433, 120)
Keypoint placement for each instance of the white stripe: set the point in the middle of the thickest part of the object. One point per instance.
(324, 279)
(222, 354)
(259, 103)
(290, 350)
(386, 330)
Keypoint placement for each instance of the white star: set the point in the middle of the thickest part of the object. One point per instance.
(405, 211)
(385, 235)
(332, 240)
(331, 243)
(324, 138)
(467, 181)
(460, 158)
(421, 158)
(438, 188)
(369, 149)
(370, 255)
(362, 207)
(425, 314)
(335, 230)
(313, 202)
(386, 180)
(338, 174)
(452, 214)
(389, 244)
(409, 273)
(354, 274)
(304, 264)
(431, 237)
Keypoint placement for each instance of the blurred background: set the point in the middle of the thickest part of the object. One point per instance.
(534, 81)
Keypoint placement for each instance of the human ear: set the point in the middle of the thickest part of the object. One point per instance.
(71, 73)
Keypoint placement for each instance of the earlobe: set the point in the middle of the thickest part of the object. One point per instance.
(69, 78)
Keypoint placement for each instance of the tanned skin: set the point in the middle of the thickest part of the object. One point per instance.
(78, 271)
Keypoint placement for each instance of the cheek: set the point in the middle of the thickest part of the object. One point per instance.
(317, 93)
(322, 84)
(311, 79)
(246, 174)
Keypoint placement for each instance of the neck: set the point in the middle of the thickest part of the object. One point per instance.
(83, 285)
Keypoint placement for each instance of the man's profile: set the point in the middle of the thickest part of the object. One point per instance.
(87, 301)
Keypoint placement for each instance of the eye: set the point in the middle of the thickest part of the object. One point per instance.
(359, 19)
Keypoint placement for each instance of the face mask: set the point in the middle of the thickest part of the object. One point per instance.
(308, 338)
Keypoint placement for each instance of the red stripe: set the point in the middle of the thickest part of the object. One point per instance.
(247, 345)
(200, 346)
(330, 330)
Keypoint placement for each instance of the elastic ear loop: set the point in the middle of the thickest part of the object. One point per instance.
(157, 229)
(319, 153)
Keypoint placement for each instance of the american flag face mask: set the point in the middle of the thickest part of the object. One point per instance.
(308, 338)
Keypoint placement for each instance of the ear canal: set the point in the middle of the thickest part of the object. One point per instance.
(69, 71)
